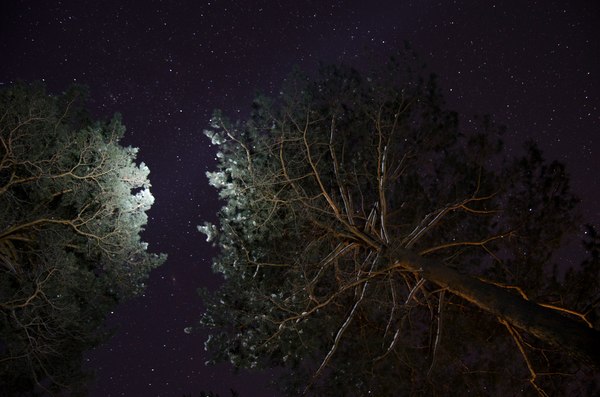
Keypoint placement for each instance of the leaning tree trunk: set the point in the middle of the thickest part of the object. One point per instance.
(548, 325)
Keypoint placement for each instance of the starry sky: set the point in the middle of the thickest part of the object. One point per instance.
(166, 65)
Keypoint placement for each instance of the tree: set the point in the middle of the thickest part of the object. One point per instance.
(373, 246)
(72, 206)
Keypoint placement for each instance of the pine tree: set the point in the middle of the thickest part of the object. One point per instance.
(72, 206)
(372, 245)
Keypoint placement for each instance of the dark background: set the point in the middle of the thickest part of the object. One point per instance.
(165, 65)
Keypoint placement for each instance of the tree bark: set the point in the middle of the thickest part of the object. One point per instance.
(548, 325)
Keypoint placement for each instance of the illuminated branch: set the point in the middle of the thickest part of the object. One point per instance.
(340, 332)
(533, 375)
(481, 243)
(345, 197)
(438, 334)
(549, 306)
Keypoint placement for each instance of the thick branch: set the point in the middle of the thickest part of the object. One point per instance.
(547, 325)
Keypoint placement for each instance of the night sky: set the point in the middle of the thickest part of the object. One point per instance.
(166, 65)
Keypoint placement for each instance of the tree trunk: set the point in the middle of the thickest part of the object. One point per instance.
(548, 325)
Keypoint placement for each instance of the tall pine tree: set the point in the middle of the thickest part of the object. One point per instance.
(372, 245)
(73, 202)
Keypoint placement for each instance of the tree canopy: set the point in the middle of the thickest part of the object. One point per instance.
(72, 206)
(372, 244)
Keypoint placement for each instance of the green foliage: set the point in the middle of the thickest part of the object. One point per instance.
(72, 206)
(321, 181)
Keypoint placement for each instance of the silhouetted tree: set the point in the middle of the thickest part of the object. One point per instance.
(72, 206)
(373, 246)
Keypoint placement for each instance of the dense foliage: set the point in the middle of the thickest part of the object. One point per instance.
(72, 206)
(372, 245)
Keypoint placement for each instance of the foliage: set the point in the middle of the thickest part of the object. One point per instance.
(361, 227)
(72, 206)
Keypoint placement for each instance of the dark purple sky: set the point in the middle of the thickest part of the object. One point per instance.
(165, 65)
